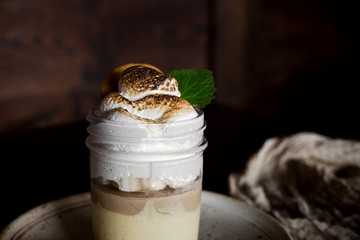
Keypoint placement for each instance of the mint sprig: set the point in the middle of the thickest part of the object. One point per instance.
(196, 86)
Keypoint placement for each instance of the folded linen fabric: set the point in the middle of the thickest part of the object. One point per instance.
(310, 183)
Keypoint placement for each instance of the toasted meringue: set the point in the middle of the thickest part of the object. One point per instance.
(110, 83)
(142, 92)
(139, 81)
(152, 108)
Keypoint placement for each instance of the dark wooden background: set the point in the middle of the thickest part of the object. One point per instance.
(280, 67)
(54, 54)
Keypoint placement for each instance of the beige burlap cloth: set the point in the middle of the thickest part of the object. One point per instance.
(308, 182)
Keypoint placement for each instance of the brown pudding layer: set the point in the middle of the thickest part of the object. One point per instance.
(131, 203)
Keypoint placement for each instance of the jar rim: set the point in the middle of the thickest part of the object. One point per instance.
(136, 139)
(164, 156)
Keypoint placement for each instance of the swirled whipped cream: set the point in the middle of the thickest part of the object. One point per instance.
(145, 95)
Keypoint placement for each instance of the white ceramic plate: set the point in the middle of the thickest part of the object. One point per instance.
(222, 218)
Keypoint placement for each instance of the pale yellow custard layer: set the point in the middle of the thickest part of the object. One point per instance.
(169, 217)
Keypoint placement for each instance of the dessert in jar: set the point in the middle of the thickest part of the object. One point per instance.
(146, 155)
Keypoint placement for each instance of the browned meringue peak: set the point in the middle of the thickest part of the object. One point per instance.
(110, 82)
(152, 108)
(139, 81)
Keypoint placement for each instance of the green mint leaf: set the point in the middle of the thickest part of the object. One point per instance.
(196, 86)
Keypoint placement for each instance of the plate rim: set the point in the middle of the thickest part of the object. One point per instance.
(280, 231)
(17, 227)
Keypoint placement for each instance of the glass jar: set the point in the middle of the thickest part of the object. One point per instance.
(146, 178)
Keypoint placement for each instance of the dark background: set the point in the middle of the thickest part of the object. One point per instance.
(280, 67)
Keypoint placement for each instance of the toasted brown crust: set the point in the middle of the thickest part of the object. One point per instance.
(172, 105)
(110, 83)
(142, 79)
